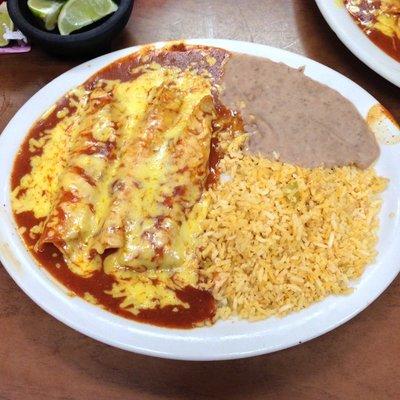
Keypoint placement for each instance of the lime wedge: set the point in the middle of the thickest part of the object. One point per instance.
(5, 24)
(47, 11)
(79, 13)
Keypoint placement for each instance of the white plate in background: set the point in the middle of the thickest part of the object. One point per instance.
(358, 43)
(226, 339)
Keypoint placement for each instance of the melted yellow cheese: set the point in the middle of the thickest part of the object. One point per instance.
(173, 158)
(388, 24)
(37, 190)
(383, 16)
(177, 159)
(144, 291)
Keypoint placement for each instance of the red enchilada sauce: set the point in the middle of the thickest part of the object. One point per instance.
(365, 15)
(202, 304)
(229, 122)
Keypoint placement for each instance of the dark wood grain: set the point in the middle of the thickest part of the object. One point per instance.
(41, 358)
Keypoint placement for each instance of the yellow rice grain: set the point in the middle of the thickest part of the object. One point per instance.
(278, 237)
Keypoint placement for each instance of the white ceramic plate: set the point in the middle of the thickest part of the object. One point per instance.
(352, 36)
(228, 339)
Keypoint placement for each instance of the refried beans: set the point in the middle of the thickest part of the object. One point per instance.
(295, 118)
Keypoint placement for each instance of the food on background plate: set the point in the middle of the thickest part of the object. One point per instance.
(380, 20)
(70, 15)
(169, 190)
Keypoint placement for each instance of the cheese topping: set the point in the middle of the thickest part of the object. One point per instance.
(123, 170)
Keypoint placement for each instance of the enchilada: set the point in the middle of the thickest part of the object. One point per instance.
(135, 145)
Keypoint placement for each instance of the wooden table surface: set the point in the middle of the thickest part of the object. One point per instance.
(40, 358)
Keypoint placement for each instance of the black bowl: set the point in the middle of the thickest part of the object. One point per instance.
(91, 40)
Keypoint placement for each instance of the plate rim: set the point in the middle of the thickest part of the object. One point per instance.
(182, 340)
(363, 48)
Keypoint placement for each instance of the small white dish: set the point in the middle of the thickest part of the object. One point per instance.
(226, 339)
(358, 43)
